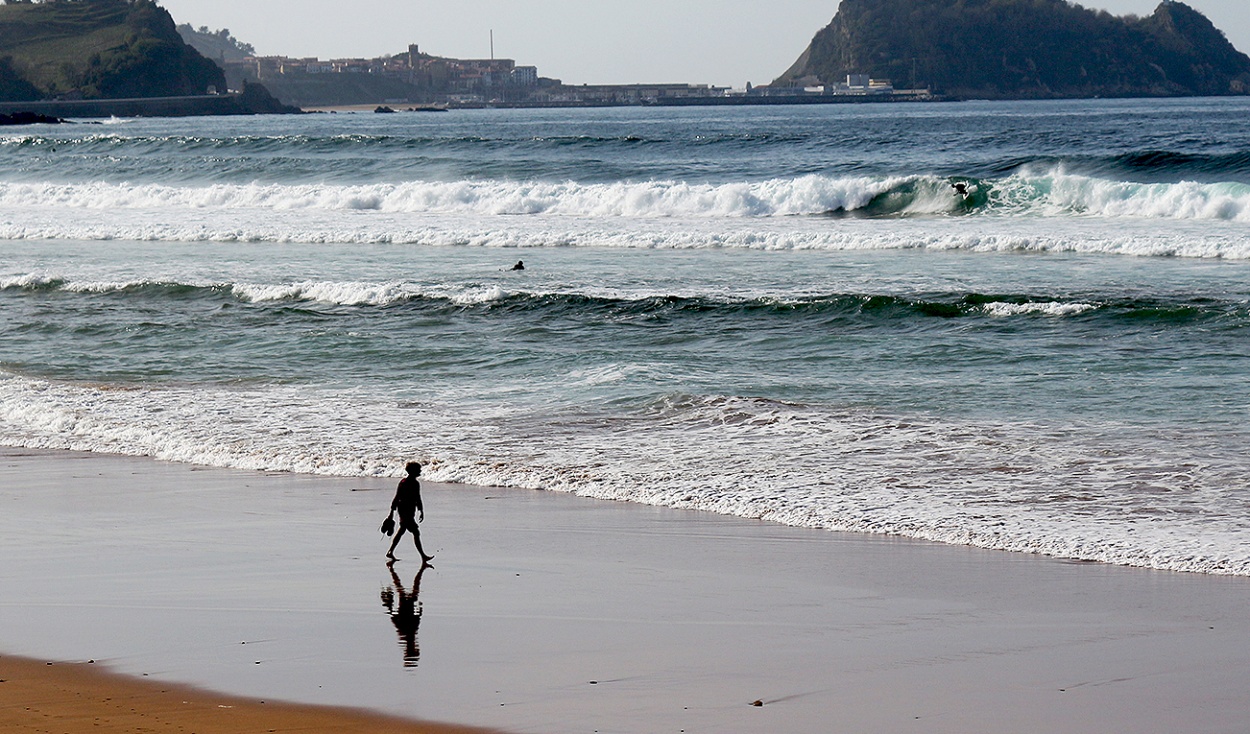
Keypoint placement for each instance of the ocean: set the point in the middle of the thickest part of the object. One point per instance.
(783, 313)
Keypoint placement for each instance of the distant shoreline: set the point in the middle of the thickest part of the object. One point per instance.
(254, 100)
(235, 104)
(760, 101)
(737, 101)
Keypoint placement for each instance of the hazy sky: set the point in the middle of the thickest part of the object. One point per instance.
(725, 42)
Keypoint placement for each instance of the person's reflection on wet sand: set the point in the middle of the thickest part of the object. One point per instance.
(405, 610)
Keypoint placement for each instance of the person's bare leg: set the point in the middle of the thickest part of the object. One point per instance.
(416, 539)
(398, 534)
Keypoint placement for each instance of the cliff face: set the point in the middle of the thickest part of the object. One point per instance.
(92, 49)
(1023, 49)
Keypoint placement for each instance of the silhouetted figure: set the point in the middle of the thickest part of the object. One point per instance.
(407, 504)
(519, 265)
(405, 611)
(961, 188)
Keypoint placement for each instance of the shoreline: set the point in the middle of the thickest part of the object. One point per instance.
(553, 613)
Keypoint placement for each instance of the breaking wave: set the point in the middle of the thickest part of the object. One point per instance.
(611, 302)
(1053, 194)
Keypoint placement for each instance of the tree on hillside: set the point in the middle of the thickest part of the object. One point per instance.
(217, 45)
(149, 58)
(13, 87)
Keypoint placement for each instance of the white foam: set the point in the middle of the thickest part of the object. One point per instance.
(342, 293)
(475, 296)
(1173, 238)
(780, 197)
(27, 280)
(1184, 200)
(1051, 308)
(195, 220)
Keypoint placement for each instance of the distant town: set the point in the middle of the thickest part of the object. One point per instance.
(128, 57)
(416, 78)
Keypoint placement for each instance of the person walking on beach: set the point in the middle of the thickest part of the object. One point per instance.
(407, 503)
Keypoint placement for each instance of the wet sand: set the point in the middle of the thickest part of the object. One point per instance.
(551, 613)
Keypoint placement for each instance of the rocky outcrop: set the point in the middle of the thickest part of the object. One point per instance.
(1011, 49)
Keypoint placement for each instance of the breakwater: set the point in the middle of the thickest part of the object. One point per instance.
(253, 100)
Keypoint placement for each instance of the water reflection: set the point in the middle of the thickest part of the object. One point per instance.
(404, 607)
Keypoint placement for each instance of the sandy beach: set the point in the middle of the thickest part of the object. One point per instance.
(73, 698)
(551, 613)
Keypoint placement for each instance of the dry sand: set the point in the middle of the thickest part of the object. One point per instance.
(76, 699)
(550, 613)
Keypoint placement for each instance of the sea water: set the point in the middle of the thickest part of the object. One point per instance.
(786, 313)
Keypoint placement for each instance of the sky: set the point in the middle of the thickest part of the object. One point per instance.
(722, 42)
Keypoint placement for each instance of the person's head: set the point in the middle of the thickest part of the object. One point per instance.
(413, 468)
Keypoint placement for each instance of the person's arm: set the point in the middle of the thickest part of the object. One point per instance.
(420, 507)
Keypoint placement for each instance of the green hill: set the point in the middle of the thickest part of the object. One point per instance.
(1023, 49)
(219, 46)
(97, 49)
(13, 86)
